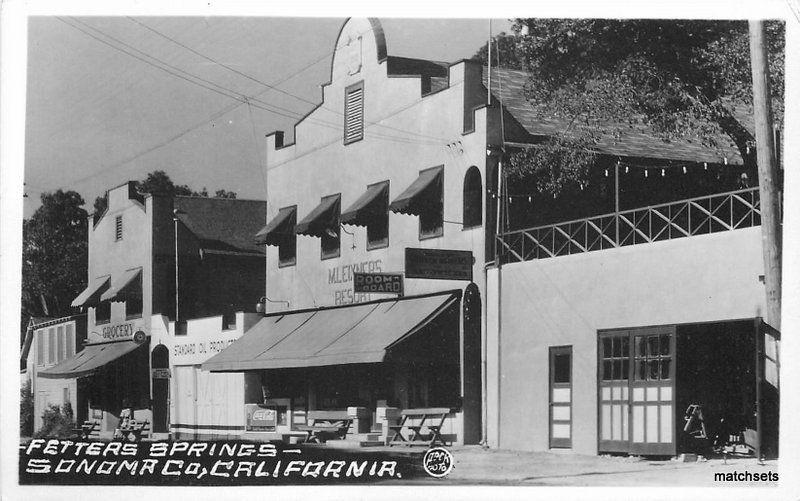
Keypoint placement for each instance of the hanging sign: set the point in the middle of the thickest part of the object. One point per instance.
(378, 283)
(441, 264)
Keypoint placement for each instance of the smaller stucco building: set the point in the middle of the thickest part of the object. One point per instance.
(181, 257)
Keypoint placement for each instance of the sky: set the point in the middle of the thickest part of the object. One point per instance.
(100, 111)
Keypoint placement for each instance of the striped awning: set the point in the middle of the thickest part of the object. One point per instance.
(425, 191)
(369, 205)
(280, 227)
(128, 284)
(91, 294)
(324, 216)
(353, 334)
(90, 359)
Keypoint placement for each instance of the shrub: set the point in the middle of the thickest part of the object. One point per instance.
(26, 410)
(56, 423)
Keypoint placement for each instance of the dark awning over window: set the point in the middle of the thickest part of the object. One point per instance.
(128, 284)
(91, 359)
(324, 216)
(353, 334)
(368, 206)
(418, 196)
(91, 295)
(280, 227)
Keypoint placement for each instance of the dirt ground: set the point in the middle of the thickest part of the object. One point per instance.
(474, 465)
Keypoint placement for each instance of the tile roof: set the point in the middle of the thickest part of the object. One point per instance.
(223, 224)
(634, 141)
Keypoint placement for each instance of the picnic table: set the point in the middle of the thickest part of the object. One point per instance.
(430, 419)
(132, 430)
(87, 430)
(323, 424)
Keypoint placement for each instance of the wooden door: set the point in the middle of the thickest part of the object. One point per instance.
(636, 391)
(561, 397)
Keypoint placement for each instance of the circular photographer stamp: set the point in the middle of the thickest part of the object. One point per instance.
(438, 462)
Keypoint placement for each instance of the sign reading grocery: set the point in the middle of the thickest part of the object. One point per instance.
(439, 264)
(378, 283)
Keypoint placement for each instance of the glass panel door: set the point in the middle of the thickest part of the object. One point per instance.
(561, 397)
(636, 397)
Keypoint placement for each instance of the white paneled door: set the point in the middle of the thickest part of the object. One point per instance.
(636, 391)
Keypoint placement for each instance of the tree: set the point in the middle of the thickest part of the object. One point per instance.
(505, 52)
(158, 182)
(54, 255)
(683, 79)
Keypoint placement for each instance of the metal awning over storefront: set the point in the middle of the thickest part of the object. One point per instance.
(369, 205)
(415, 197)
(91, 294)
(128, 284)
(280, 227)
(92, 358)
(353, 334)
(323, 217)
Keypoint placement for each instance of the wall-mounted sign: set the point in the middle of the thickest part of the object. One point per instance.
(440, 264)
(160, 373)
(118, 331)
(260, 418)
(378, 283)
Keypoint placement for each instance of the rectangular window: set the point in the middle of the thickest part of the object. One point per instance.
(133, 307)
(51, 345)
(70, 340)
(431, 216)
(118, 232)
(331, 236)
(354, 113)
(652, 357)
(287, 245)
(102, 313)
(65, 399)
(378, 226)
(61, 352)
(40, 340)
(615, 357)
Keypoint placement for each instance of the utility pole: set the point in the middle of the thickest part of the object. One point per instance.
(767, 174)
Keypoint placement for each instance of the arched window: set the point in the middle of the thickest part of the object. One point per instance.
(473, 198)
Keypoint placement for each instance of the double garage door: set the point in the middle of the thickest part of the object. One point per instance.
(636, 391)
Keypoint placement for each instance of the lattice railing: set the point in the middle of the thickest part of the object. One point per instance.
(696, 216)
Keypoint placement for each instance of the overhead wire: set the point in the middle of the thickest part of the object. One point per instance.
(272, 87)
(239, 97)
(270, 107)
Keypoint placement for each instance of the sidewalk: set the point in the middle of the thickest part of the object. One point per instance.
(474, 465)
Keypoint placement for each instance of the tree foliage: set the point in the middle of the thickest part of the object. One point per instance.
(158, 182)
(683, 79)
(54, 255)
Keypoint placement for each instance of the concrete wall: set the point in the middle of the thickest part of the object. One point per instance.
(565, 300)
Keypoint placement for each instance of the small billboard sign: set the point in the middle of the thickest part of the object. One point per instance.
(440, 264)
(378, 283)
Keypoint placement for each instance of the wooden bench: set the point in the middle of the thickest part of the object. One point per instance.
(87, 430)
(133, 430)
(326, 423)
(431, 419)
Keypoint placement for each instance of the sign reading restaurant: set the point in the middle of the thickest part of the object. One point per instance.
(441, 264)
